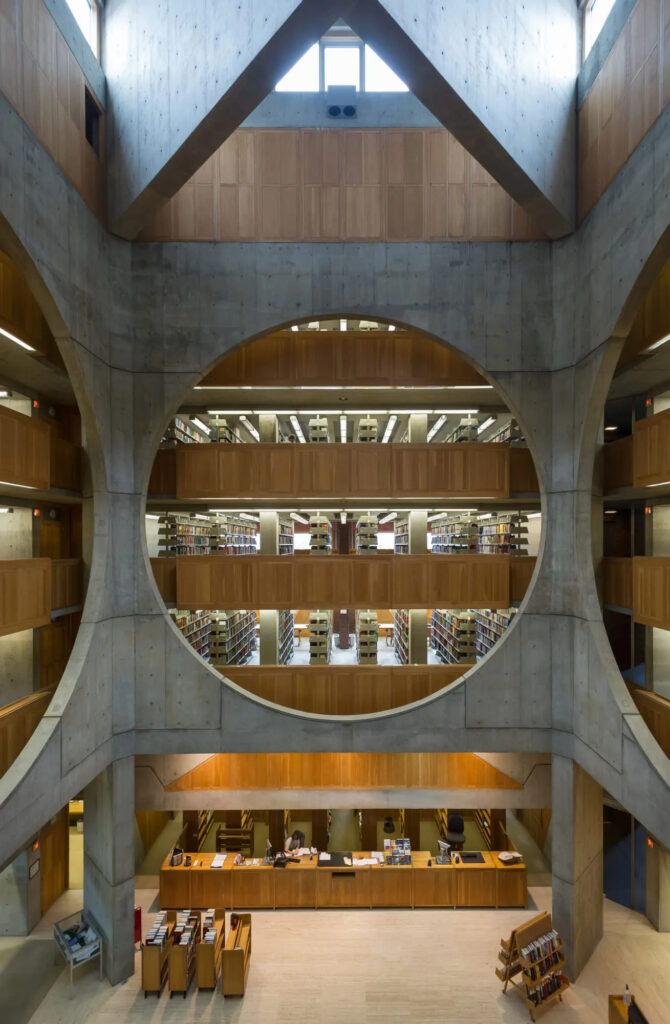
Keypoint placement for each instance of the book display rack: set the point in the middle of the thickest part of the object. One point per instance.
(181, 954)
(154, 952)
(453, 635)
(182, 534)
(490, 627)
(237, 955)
(320, 636)
(397, 851)
(286, 632)
(532, 961)
(208, 951)
(504, 534)
(368, 428)
(285, 537)
(232, 637)
(454, 535)
(465, 431)
(182, 431)
(319, 534)
(366, 534)
(401, 540)
(367, 635)
(78, 939)
(318, 430)
(401, 635)
(195, 627)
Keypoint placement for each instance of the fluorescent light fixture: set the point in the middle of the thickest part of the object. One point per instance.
(343, 429)
(250, 427)
(319, 412)
(389, 429)
(343, 518)
(230, 412)
(486, 424)
(295, 327)
(470, 387)
(149, 515)
(610, 511)
(4, 394)
(391, 327)
(25, 487)
(388, 518)
(485, 515)
(295, 423)
(645, 351)
(245, 515)
(534, 515)
(299, 518)
(436, 426)
(446, 511)
(17, 341)
(343, 325)
(663, 483)
(197, 515)
(2, 510)
(457, 412)
(611, 428)
(200, 425)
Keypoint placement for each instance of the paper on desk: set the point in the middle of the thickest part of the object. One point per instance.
(324, 857)
(378, 856)
(218, 860)
(304, 851)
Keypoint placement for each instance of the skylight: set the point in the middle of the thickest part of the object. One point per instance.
(86, 15)
(595, 16)
(340, 59)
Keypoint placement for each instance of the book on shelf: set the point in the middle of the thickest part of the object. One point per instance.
(366, 534)
(320, 637)
(401, 635)
(319, 534)
(285, 636)
(195, 627)
(401, 537)
(183, 431)
(367, 635)
(233, 636)
(368, 428)
(453, 634)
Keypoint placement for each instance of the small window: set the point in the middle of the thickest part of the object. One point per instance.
(86, 15)
(595, 16)
(342, 66)
(92, 121)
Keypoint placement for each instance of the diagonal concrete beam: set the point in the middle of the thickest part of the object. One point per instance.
(499, 76)
(181, 77)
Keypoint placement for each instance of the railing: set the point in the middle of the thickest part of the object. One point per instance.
(651, 591)
(24, 450)
(618, 464)
(18, 722)
(25, 594)
(618, 582)
(655, 711)
(66, 582)
(65, 464)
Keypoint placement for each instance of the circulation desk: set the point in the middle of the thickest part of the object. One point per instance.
(246, 886)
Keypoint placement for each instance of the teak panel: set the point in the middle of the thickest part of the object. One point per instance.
(343, 887)
(618, 464)
(252, 887)
(521, 568)
(24, 450)
(295, 886)
(435, 886)
(342, 689)
(66, 582)
(341, 184)
(25, 594)
(391, 888)
(653, 319)
(651, 591)
(342, 470)
(618, 582)
(65, 464)
(655, 711)
(651, 450)
(351, 581)
(165, 573)
(163, 478)
(19, 312)
(18, 722)
(522, 473)
(54, 858)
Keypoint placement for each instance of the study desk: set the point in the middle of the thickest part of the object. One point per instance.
(485, 884)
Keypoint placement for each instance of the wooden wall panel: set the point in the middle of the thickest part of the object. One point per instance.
(630, 91)
(300, 358)
(44, 83)
(66, 582)
(25, 594)
(344, 771)
(618, 582)
(521, 569)
(165, 571)
(56, 642)
(163, 478)
(54, 858)
(342, 470)
(651, 450)
(18, 722)
(522, 474)
(342, 689)
(20, 314)
(24, 450)
(651, 591)
(150, 825)
(351, 581)
(341, 184)
(618, 464)
(65, 464)
(653, 319)
(655, 711)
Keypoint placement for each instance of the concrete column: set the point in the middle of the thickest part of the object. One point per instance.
(657, 885)
(109, 883)
(268, 427)
(418, 620)
(269, 619)
(577, 861)
(269, 527)
(417, 430)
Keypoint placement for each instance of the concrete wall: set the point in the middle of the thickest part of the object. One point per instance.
(16, 659)
(16, 532)
(14, 897)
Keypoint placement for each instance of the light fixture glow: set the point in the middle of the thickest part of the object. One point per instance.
(230, 412)
(610, 511)
(534, 515)
(250, 427)
(197, 515)
(2, 510)
(343, 518)
(655, 345)
(343, 429)
(436, 426)
(25, 487)
(470, 387)
(17, 341)
(486, 424)
(663, 483)
(389, 429)
(485, 515)
(295, 327)
(299, 518)
(343, 325)
(245, 515)
(200, 425)
(388, 518)
(149, 515)
(611, 428)
(295, 423)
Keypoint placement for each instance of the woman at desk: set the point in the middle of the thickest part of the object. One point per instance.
(295, 841)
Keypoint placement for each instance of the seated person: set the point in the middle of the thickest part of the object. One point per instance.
(295, 841)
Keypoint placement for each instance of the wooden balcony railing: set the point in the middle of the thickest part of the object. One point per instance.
(651, 450)
(651, 591)
(24, 450)
(618, 582)
(18, 722)
(655, 711)
(618, 464)
(66, 582)
(25, 594)
(65, 464)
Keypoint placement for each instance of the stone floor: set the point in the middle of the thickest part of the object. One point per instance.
(333, 967)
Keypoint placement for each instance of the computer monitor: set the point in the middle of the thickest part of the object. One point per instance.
(443, 848)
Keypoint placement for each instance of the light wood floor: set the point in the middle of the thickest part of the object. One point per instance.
(336, 967)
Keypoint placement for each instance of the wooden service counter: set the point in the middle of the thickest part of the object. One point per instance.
(248, 886)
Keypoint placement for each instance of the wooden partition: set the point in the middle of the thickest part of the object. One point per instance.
(618, 582)
(655, 711)
(55, 646)
(163, 478)
(24, 450)
(281, 471)
(522, 473)
(25, 594)
(165, 572)
(346, 581)
(66, 582)
(618, 464)
(343, 689)
(18, 722)
(521, 569)
(65, 464)
(651, 450)
(651, 591)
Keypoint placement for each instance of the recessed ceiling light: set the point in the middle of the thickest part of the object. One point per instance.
(17, 341)
(611, 428)
(655, 345)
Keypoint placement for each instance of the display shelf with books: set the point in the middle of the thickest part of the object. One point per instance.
(285, 536)
(318, 430)
(511, 431)
(491, 624)
(401, 635)
(205, 819)
(368, 428)
(366, 534)
(453, 635)
(454, 535)
(236, 955)
(232, 535)
(182, 534)
(532, 961)
(503, 533)
(233, 636)
(154, 952)
(401, 539)
(286, 633)
(208, 951)
(367, 635)
(465, 431)
(319, 534)
(196, 628)
(183, 431)
(222, 430)
(320, 637)
(181, 954)
(398, 852)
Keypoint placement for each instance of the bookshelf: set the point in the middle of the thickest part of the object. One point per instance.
(182, 431)
(367, 634)
(401, 539)
(285, 537)
(222, 431)
(368, 428)
(511, 432)
(154, 952)
(532, 961)
(318, 430)
(454, 535)
(465, 431)
(181, 954)
(453, 635)
(319, 534)
(286, 632)
(485, 826)
(233, 637)
(236, 956)
(401, 635)
(320, 636)
(503, 534)
(231, 535)
(490, 627)
(208, 951)
(195, 627)
(182, 534)
(204, 823)
(366, 534)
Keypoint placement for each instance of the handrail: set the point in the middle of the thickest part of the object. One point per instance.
(18, 722)
(655, 710)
